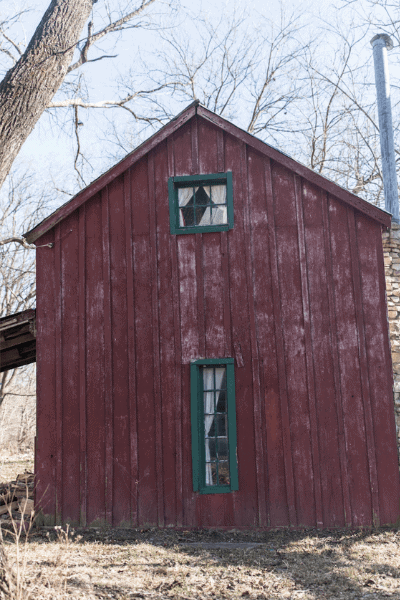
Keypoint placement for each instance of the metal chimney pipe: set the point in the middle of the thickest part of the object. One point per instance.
(381, 43)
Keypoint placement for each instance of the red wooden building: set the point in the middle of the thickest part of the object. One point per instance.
(212, 343)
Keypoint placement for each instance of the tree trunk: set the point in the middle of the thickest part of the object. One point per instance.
(29, 86)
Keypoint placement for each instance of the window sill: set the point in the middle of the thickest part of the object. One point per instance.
(216, 489)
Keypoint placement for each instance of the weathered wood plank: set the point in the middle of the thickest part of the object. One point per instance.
(309, 353)
(47, 409)
(283, 393)
(95, 359)
(82, 365)
(177, 405)
(130, 297)
(58, 370)
(156, 343)
(249, 216)
(119, 353)
(108, 372)
(365, 390)
(350, 374)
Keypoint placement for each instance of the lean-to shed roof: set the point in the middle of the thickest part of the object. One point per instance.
(329, 186)
(17, 339)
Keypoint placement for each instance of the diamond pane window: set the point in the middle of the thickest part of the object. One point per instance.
(213, 426)
(201, 203)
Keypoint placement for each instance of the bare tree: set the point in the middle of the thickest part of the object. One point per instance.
(22, 205)
(29, 86)
(310, 94)
(246, 73)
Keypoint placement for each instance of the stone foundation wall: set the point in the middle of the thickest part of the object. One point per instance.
(391, 250)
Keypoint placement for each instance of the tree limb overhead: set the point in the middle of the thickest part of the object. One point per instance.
(31, 83)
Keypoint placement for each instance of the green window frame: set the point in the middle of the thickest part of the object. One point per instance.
(214, 460)
(192, 181)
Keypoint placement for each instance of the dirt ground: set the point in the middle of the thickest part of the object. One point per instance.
(205, 565)
(124, 564)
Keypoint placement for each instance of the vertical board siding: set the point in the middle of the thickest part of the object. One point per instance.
(147, 480)
(245, 503)
(58, 372)
(82, 364)
(294, 292)
(108, 371)
(177, 355)
(213, 297)
(270, 400)
(334, 352)
(95, 409)
(131, 351)
(268, 419)
(70, 408)
(120, 383)
(369, 245)
(308, 349)
(323, 367)
(353, 411)
(167, 351)
(293, 334)
(156, 341)
(46, 423)
(365, 388)
(248, 219)
(186, 298)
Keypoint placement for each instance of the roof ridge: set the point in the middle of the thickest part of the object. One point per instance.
(193, 109)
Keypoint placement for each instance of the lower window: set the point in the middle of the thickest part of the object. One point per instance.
(213, 416)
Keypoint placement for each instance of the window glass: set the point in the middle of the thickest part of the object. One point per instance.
(215, 426)
(213, 419)
(201, 203)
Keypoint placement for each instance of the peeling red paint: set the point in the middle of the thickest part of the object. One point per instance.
(295, 292)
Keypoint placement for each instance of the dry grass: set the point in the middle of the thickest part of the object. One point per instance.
(124, 564)
(12, 465)
(211, 565)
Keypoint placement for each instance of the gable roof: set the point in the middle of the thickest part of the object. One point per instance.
(190, 111)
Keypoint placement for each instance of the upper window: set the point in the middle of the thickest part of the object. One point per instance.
(201, 203)
(213, 418)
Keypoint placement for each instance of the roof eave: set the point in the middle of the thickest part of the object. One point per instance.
(329, 186)
(104, 179)
(190, 111)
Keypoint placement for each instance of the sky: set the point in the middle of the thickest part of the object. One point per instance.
(48, 150)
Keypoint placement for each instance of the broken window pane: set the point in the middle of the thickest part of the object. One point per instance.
(202, 205)
(220, 423)
(211, 473)
(222, 448)
(223, 473)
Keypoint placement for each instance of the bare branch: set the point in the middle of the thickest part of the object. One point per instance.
(78, 144)
(14, 44)
(78, 102)
(18, 240)
(112, 27)
(9, 54)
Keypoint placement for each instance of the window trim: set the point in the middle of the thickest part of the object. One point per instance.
(174, 183)
(197, 423)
